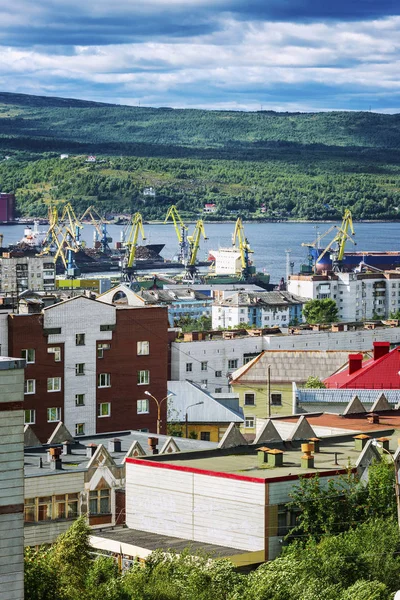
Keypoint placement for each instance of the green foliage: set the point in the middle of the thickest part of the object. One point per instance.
(314, 383)
(189, 324)
(367, 590)
(320, 311)
(40, 575)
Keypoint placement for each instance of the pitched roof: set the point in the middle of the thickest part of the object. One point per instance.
(382, 373)
(187, 393)
(289, 365)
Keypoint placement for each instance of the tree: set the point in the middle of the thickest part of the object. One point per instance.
(314, 383)
(320, 311)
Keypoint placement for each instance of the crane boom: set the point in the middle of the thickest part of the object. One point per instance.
(340, 239)
(244, 246)
(134, 230)
(194, 241)
(180, 230)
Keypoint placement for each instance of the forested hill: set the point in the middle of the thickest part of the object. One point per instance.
(77, 121)
(259, 164)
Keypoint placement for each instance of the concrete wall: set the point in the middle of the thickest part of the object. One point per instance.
(205, 508)
(11, 479)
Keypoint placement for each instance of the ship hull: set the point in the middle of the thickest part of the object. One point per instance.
(384, 261)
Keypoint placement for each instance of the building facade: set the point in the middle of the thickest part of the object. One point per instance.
(7, 207)
(261, 309)
(89, 364)
(17, 274)
(358, 296)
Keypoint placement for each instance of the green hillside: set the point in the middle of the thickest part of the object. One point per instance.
(296, 165)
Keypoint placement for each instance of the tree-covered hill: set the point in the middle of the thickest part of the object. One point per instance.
(262, 164)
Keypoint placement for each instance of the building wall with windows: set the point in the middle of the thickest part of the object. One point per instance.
(27, 272)
(11, 479)
(88, 365)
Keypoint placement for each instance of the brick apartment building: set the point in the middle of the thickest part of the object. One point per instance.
(89, 364)
(7, 207)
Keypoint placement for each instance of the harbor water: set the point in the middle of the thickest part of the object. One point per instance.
(269, 241)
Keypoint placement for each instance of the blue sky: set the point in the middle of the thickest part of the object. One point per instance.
(295, 55)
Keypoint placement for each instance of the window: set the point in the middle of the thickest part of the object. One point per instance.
(80, 339)
(30, 386)
(142, 406)
(56, 350)
(233, 363)
(104, 409)
(66, 506)
(30, 510)
(218, 373)
(99, 502)
(204, 365)
(143, 377)
(79, 399)
(28, 355)
(205, 436)
(53, 414)
(204, 382)
(218, 391)
(29, 417)
(44, 509)
(189, 367)
(52, 331)
(54, 384)
(104, 380)
(101, 348)
(80, 429)
(249, 399)
(249, 356)
(249, 422)
(80, 369)
(107, 327)
(143, 348)
(276, 399)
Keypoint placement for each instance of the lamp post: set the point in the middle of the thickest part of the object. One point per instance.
(186, 416)
(375, 442)
(159, 403)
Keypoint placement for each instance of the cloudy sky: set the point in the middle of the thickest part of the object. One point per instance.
(224, 54)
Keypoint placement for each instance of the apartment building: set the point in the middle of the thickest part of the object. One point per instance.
(18, 274)
(88, 365)
(358, 296)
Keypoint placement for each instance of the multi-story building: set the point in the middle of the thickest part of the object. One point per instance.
(262, 309)
(7, 207)
(358, 296)
(12, 479)
(89, 364)
(18, 274)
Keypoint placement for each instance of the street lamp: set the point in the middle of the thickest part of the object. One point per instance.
(375, 443)
(186, 416)
(158, 402)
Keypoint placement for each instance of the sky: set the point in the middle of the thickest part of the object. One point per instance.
(284, 55)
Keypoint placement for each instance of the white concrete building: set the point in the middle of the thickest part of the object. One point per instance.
(358, 296)
(11, 479)
(210, 362)
(27, 272)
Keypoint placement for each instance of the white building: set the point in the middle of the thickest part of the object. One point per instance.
(12, 479)
(210, 362)
(27, 272)
(227, 261)
(262, 309)
(358, 296)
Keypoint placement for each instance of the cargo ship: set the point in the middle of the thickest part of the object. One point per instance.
(383, 261)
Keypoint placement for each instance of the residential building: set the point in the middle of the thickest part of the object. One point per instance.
(210, 208)
(18, 274)
(382, 371)
(358, 296)
(7, 207)
(197, 413)
(149, 191)
(180, 302)
(262, 309)
(237, 496)
(12, 479)
(336, 400)
(264, 385)
(209, 358)
(89, 364)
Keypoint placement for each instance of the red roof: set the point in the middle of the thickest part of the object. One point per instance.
(375, 373)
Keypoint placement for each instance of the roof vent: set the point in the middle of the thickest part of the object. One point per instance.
(90, 450)
(355, 363)
(275, 458)
(381, 349)
(360, 441)
(114, 445)
(373, 417)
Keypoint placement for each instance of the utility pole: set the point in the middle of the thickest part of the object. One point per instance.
(269, 391)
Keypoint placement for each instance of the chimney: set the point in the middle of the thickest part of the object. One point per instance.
(152, 442)
(373, 417)
(114, 445)
(262, 455)
(90, 450)
(55, 460)
(360, 441)
(355, 362)
(384, 442)
(307, 460)
(316, 441)
(66, 448)
(275, 458)
(381, 349)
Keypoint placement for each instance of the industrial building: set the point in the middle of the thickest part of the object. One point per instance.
(7, 207)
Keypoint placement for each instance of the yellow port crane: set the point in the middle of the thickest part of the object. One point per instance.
(180, 229)
(63, 238)
(244, 248)
(100, 228)
(194, 245)
(132, 232)
(339, 241)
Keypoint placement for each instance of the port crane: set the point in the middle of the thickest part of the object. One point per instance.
(190, 273)
(131, 237)
(100, 228)
(181, 233)
(63, 238)
(337, 245)
(244, 248)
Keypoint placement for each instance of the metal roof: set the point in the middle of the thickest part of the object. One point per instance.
(186, 393)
